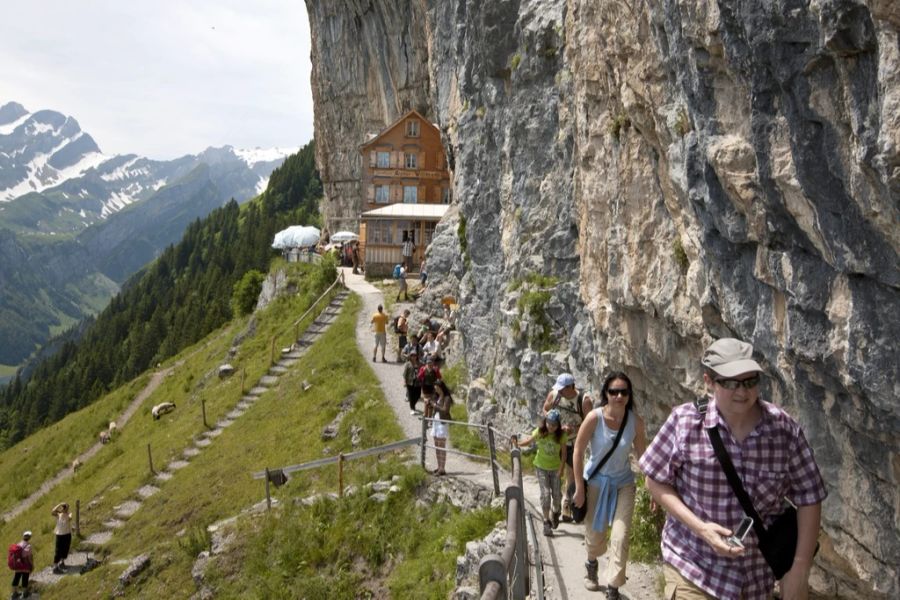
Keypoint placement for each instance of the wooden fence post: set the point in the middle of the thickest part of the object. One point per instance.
(243, 375)
(203, 407)
(272, 352)
(268, 495)
(493, 459)
(424, 438)
(150, 458)
(341, 475)
(78, 518)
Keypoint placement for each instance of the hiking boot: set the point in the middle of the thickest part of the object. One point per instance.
(566, 511)
(548, 528)
(555, 520)
(590, 577)
(612, 593)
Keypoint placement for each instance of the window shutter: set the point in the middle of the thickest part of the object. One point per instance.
(373, 159)
(371, 193)
(396, 193)
(421, 194)
(396, 157)
(420, 163)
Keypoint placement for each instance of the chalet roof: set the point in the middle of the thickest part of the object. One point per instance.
(400, 210)
(374, 138)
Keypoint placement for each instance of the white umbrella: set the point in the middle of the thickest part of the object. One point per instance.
(344, 236)
(296, 236)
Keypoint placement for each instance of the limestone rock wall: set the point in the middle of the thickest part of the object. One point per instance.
(635, 179)
(369, 66)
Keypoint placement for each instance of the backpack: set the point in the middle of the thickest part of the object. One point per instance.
(397, 271)
(395, 324)
(16, 559)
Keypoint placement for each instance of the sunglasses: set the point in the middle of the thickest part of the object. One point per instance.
(733, 384)
(617, 391)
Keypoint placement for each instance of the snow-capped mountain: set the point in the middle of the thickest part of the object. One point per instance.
(47, 153)
(106, 216)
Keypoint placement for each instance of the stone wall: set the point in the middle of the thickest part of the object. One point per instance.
(635, 179)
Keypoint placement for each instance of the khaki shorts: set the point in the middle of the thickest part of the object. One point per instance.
(679, 588)
(380, 340)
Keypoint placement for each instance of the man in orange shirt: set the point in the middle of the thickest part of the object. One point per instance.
(379, 321)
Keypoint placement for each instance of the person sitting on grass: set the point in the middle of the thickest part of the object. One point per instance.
(549, 462)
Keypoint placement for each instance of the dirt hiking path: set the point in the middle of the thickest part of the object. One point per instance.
(67, 472)
(563, 554)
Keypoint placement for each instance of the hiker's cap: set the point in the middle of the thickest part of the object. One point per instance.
(553, 416)
(564, 380)
(729, 357)
(27, 534)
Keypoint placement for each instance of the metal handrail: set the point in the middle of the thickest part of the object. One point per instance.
(339, 278)
(507, 575)
(321, 462)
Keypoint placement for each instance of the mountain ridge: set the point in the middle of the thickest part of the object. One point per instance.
(91, 220)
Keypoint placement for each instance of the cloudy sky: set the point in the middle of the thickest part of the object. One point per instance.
(163, 78)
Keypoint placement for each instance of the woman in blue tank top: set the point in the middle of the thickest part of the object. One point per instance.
(610, 491)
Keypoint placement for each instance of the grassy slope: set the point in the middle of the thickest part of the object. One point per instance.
(284, 427)
(115, 474)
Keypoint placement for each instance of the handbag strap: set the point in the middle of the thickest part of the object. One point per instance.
(734, 481)
(611, 450)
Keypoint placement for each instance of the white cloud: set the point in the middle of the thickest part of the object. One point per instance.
(164, 78)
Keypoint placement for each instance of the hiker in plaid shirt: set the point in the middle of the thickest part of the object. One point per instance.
(772, 459)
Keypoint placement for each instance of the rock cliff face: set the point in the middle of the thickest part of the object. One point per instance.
(634, 180)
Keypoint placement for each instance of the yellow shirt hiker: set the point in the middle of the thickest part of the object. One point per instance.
(380, 321)
(549, 462)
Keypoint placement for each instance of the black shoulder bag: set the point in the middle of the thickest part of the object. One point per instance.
(580, 512)
(778, 542)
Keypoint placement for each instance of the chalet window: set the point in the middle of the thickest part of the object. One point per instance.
(384, 160)
(445, 195)
(412, 128)
(380, 232)
(382, 194)
(411, 161)
(410, 194)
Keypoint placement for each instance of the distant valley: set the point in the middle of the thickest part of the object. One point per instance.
(76, 223)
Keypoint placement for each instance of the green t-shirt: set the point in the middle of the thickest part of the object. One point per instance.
(548, 450)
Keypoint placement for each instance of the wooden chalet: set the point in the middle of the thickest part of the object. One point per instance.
(407, 190)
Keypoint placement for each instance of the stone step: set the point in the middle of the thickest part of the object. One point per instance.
(234, 414)
(202, 442)
(177, 464)
(268, 381)
(294, 354)
(128, 508)
(163, 476)
(213, 433)
(224, 423)
(191, 452)
(113, 524)
(258, 390)
(147, 491)
(97, 539)
(286, 362)
(277, 370)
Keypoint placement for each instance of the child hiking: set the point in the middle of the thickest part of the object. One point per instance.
(21, 562)
(549, 462)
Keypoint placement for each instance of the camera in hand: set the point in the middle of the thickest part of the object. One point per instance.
(736, 539)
